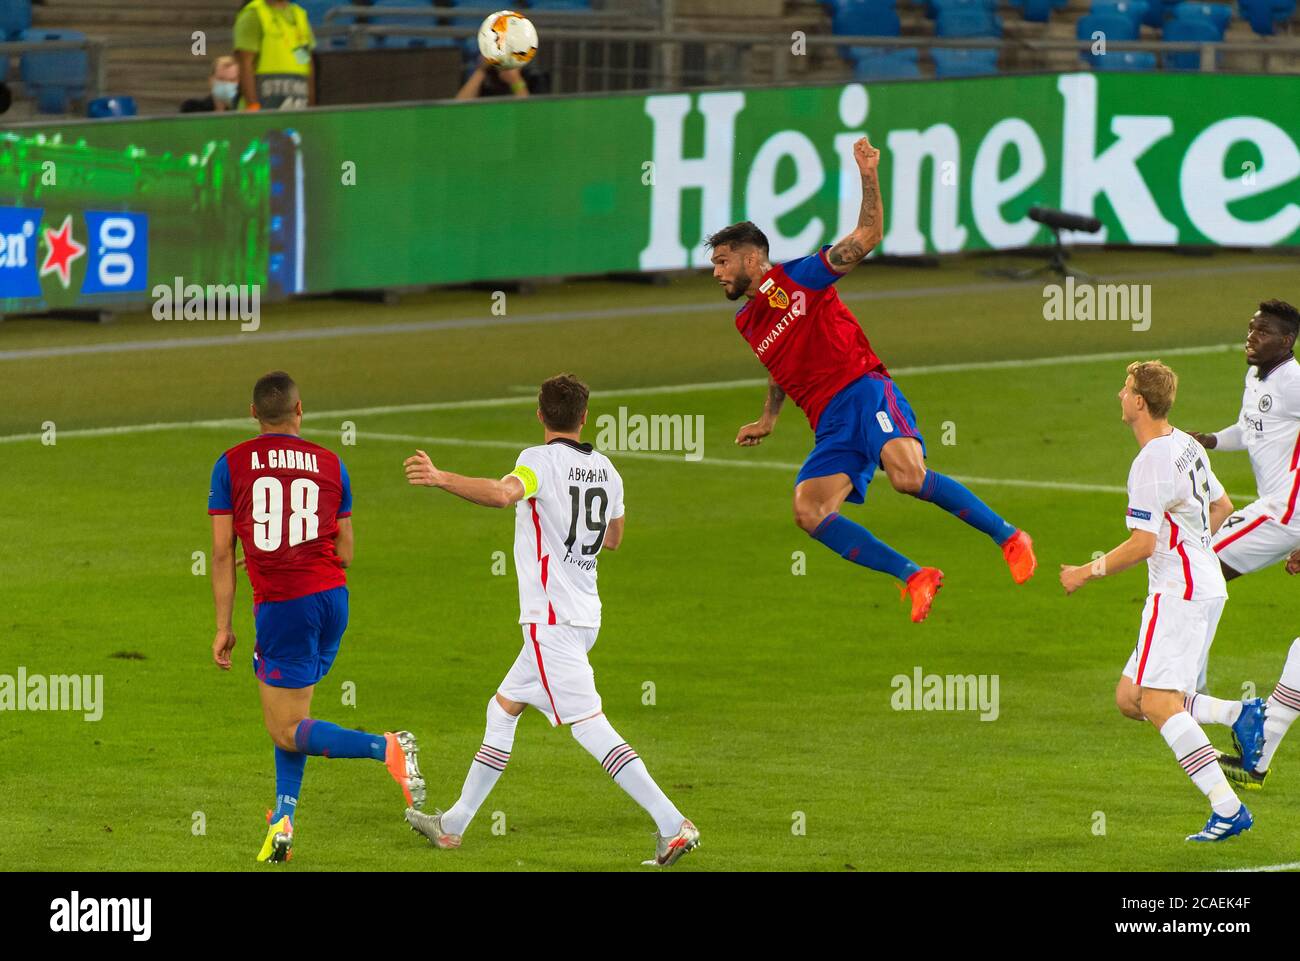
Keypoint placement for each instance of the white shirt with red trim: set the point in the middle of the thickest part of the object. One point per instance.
(1269, 429)
(571, 493)
(1170, 489)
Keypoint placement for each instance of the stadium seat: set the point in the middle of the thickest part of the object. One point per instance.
(952, 62)
(103, 107)
(965, 22)
(935, 7)
(1220, 14)
(1127, 60)
(57, 77)
(1111, 26)
(885, 63)
(1135, 10)
(1264, 15)
(1037, 11)
(15, 17)
(863, 18)
(1189, 30)
(559, 5)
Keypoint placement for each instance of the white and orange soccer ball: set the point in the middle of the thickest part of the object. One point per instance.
(507, 40)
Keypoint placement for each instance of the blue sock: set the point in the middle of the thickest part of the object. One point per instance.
(289, 766)
(329, 740)
(943, 491)
(855, 543)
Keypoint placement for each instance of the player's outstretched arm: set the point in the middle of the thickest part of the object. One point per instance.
(483, 491)
(850, 251)
(752, 434)
(1139, 546)
(223, 587)
(1229, 438)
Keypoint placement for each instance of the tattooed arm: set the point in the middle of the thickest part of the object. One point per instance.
(850, 251)
(752, 434)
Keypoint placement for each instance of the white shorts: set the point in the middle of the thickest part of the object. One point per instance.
(552, 673)
(1173, 642)
(1252, 539)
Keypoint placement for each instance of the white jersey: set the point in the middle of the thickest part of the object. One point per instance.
(1269, 429)
(1170, 489)
(571, 493)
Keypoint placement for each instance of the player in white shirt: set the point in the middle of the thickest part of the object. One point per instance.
(568, 502)
(1175, 503)
(1268, 428)
(1268, 529)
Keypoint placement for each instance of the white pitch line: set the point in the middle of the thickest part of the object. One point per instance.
(680, 458)
(490, 402)
(1266, 868)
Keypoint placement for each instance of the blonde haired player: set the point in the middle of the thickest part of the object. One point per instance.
(1175, 503)
(568, 508)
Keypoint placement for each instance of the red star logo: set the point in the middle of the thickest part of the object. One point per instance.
(61, 250)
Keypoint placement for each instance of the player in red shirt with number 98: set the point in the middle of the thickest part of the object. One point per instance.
(289, 502)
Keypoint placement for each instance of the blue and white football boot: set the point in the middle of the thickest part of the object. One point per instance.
(1219, 828)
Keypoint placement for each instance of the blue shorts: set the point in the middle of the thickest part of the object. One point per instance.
(298, 640)
(859, 420)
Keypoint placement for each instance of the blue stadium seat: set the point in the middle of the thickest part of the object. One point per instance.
(103, 107)
(1111, 26)
(967, 23)
(1037, 11)
(1189, 30)
(57, 77)
(15, 17)
(1127, 60)
(935, 7)
(864, 18)
(1135, 10)
(952, 62)
(1264, 15)
(1220, 14)
(885, 63)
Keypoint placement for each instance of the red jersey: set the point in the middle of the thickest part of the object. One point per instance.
(807, 339)
(287, 495)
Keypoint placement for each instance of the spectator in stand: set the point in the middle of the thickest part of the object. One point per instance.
(273, 42)
(487, 81)
(223, 92)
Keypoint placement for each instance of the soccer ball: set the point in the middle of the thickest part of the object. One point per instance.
(507, 40)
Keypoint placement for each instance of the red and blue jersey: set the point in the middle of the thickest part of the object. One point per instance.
(287, 495)
(806, 338)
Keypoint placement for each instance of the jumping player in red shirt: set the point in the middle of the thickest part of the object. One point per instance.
(815, 352)
(289, 502)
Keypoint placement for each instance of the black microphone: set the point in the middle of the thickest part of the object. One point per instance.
(1061, 220)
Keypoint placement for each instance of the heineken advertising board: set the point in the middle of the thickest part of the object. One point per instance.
(101, 213)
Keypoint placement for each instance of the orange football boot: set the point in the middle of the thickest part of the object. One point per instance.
(922, 586)
(1018, 549)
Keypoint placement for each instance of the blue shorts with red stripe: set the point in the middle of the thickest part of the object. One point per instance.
(298, 640)
(859, 420)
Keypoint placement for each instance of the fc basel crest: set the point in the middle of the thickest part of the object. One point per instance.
(1266, 402)
(778, 299)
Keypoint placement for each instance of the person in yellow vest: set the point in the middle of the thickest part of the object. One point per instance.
(273, 41)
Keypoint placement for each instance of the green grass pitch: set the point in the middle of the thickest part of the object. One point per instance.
(771, 727)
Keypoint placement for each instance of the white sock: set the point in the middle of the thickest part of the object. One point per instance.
(1195, 753)
(1212, 710)
(489, 763)
(628, 771)
(1283, 705)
